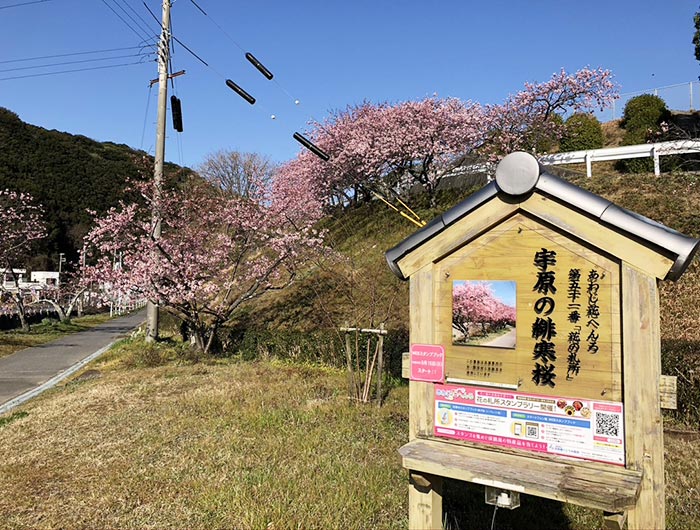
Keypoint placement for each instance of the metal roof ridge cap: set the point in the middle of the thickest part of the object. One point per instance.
(396, 253)
(681, 246)
(611, 215)
(572, 195)
(470, 204)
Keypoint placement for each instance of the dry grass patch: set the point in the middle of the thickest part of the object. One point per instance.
(221, 446)
(613, 134)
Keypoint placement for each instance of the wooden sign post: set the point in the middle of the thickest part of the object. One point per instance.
(535, 347)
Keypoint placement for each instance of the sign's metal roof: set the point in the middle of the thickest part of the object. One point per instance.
(518, 176)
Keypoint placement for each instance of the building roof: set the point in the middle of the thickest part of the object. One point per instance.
(518, 176)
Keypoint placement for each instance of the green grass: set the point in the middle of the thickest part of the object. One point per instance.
(48, 330)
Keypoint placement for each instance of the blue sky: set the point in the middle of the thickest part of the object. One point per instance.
(327, 54)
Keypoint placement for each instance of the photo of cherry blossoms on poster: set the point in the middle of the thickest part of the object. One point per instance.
(483, 313)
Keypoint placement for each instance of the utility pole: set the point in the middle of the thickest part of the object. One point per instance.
(163, 59)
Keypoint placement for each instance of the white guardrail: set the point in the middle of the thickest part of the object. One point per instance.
(656, 150)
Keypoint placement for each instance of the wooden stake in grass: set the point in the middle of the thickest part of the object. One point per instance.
(359, 388)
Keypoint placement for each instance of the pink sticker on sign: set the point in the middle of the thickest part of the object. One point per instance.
(427, 363)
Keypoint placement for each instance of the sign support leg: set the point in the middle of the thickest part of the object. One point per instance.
(424, 501)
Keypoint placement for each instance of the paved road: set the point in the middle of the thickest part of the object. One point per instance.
(28, 369)
(504, 341)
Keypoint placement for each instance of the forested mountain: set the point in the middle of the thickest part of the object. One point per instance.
(68, 174)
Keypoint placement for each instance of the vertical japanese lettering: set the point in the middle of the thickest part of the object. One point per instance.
(574, 339)
(544, 328)
(593, 311)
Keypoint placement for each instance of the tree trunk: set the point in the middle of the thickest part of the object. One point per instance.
(62, 315)
(21, 312)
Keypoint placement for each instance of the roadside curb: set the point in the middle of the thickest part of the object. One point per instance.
(16, 401)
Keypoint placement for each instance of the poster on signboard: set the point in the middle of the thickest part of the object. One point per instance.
(579, 428)
(483, 313)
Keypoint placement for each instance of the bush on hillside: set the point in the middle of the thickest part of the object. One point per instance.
(641, 121)
(582, 131)
(642, 117)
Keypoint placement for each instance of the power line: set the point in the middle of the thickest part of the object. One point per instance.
(71, 62)
(248, 55)
(74, 53)
(147, 30)
(218, 26)
(145, 117)
(137, 14)
(139, 35)
(70, 71)
(25, 4)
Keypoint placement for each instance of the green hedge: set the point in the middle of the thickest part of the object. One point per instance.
(582, 131)
(641, 120)
(320, 347)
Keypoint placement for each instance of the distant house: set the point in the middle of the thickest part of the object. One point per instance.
(48, 278)
(8, 278)
(38, 279)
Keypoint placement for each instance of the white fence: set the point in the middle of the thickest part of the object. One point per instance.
(654, 150)
(122, 306)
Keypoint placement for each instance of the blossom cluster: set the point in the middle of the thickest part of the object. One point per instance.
(419, 142)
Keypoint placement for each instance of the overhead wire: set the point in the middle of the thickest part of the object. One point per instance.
(147, 30)
(218, 26)
(137, 33)
(145, 117)
(205, 63)
(169, 43)
(24, 4)
(138, 15)
(56, 56)
(63, 63)
(172, 52)
(70, 71)
(247, 54)
(232, 85)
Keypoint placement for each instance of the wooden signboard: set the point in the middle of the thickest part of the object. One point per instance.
(535, 347)
(564, 337)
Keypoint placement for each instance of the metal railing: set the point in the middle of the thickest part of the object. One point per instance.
(655, 150)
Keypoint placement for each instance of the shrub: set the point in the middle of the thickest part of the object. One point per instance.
(320, 346)
(582, 131)
(641, 120)
(642, 117)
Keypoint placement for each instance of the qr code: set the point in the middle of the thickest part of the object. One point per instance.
(531, 431)
(607, 424)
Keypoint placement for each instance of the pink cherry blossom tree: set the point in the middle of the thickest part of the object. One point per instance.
(215, 252)
(65, 297)
(21, 223)
(371, 145)
(419, 142)
(527, 117)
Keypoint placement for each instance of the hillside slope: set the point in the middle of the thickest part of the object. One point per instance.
(68, 174)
